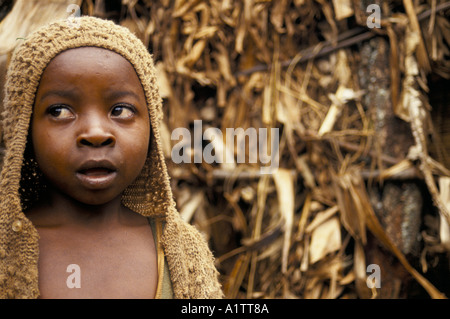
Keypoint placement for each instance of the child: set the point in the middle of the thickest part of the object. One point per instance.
(86, 209)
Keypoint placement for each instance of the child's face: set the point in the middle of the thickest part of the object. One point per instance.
(90, 127)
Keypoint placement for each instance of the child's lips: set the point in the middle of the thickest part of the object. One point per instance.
(96, 178)
(96, 171)
(96, 174)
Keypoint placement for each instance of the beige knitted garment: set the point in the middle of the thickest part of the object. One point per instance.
(191, 263)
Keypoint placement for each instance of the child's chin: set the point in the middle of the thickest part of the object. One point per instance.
(97, 198)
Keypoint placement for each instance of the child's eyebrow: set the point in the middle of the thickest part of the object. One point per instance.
(72, 94)
(114, 95)
(69, 94)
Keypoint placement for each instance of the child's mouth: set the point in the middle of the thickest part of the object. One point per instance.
(96, 171)
(96, 175)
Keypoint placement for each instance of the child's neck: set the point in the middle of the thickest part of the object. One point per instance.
(58, 209)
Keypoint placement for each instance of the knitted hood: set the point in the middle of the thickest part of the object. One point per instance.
(150, 194)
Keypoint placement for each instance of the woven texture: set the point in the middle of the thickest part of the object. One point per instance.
(190, 261)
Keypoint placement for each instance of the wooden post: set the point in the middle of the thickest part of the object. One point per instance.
(398, 205)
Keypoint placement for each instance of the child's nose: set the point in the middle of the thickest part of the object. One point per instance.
(96, 136)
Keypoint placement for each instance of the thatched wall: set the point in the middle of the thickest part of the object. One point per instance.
(363, 175)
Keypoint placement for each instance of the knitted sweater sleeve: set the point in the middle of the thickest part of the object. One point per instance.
(191, 263)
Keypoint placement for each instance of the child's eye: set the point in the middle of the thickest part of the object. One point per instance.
(123, 111)
(60, 112)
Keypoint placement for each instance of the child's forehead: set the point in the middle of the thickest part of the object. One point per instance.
(86, 54)
(90, 68)
(89, 60)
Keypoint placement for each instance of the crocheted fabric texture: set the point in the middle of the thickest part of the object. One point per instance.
(190, 261)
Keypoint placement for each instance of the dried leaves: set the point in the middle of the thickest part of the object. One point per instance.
(291, 233)
(25, 17)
